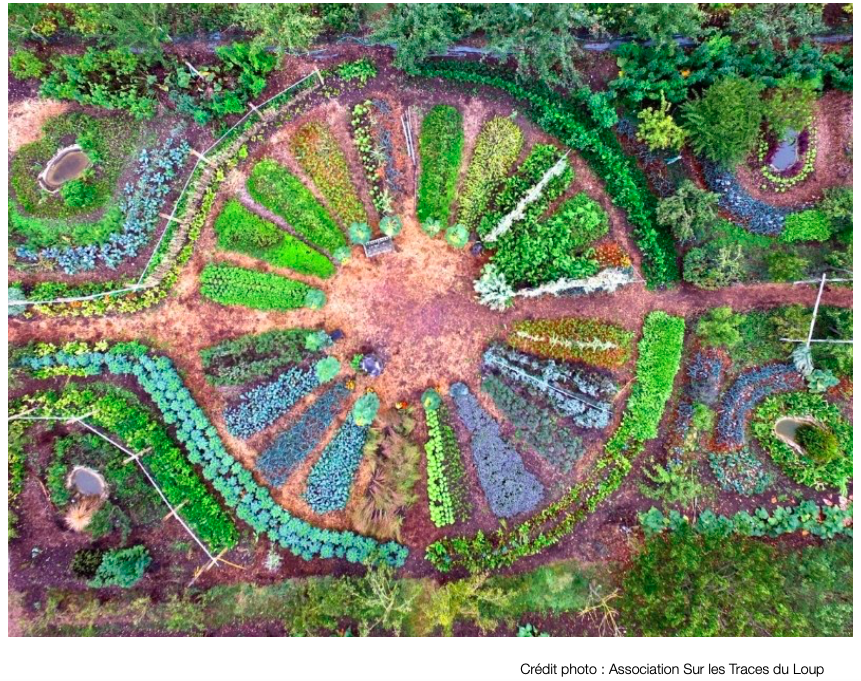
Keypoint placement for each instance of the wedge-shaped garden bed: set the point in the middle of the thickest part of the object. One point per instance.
(275, 187)
(240, 230)
(230, 285)
(317, 151)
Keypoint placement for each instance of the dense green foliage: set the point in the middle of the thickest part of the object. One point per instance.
(317, 151)
(284, 194)
(572, 124)
(238, 229)
(724, 123)
(806, 468)
(691, 584)
(230, 285)
(448, 495)
(440, 150)
(122, 567)
(119, 412)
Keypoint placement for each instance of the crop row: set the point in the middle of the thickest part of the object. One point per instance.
(573, 339)
(276, 188)
(292, 447)
(510, 489)
(448, 496)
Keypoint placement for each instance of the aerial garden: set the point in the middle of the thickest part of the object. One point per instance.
(501, 320)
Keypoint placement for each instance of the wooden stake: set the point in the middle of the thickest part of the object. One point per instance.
(134, 457)
(170, 217)
(255, 109)
(23, 413)
(320, 76)
(74, 420)
(203, 158)
(816, 308)
(175, 509)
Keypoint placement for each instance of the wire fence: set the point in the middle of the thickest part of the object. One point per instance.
(253, 110)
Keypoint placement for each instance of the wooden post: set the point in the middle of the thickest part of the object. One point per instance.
(174, 510)
(23, 413)
(320, 76)
(256, 110)
(135, 457)
(203, 158)
(192, 69)
(816, 307)
(170, 217)
(72, 421)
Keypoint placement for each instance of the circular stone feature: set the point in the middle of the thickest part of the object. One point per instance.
(67, 164)
(87, 482)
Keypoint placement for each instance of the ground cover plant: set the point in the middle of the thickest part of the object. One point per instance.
(321, 157)
(239, 229)
(589, 386)
(440, 149)
(282, 193)
(230, 285)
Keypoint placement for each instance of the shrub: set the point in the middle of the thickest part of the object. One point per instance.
(122, 567)
(255, 355)
(719, 327)
(713, 267)
(85, 563)
(284, 194)
(689, 213)
(808, 225)
(319, 154)
(238, 229)
(496, 149)
(291, 447)
(24, 64)
(819, 444)
(112, 79)
(509, 488)
(786, 267)
(259, 407)
(837, 206)
(724, 123)
(331, 478)
(230, 285)
(790, 105)
(658, 130)
(688, 584)
(326, 369)
(574, 339)
(740, 472)
(440, 150)
(431, 227)
(448, 495)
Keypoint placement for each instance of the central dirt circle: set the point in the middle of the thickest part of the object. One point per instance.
(416, 308)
